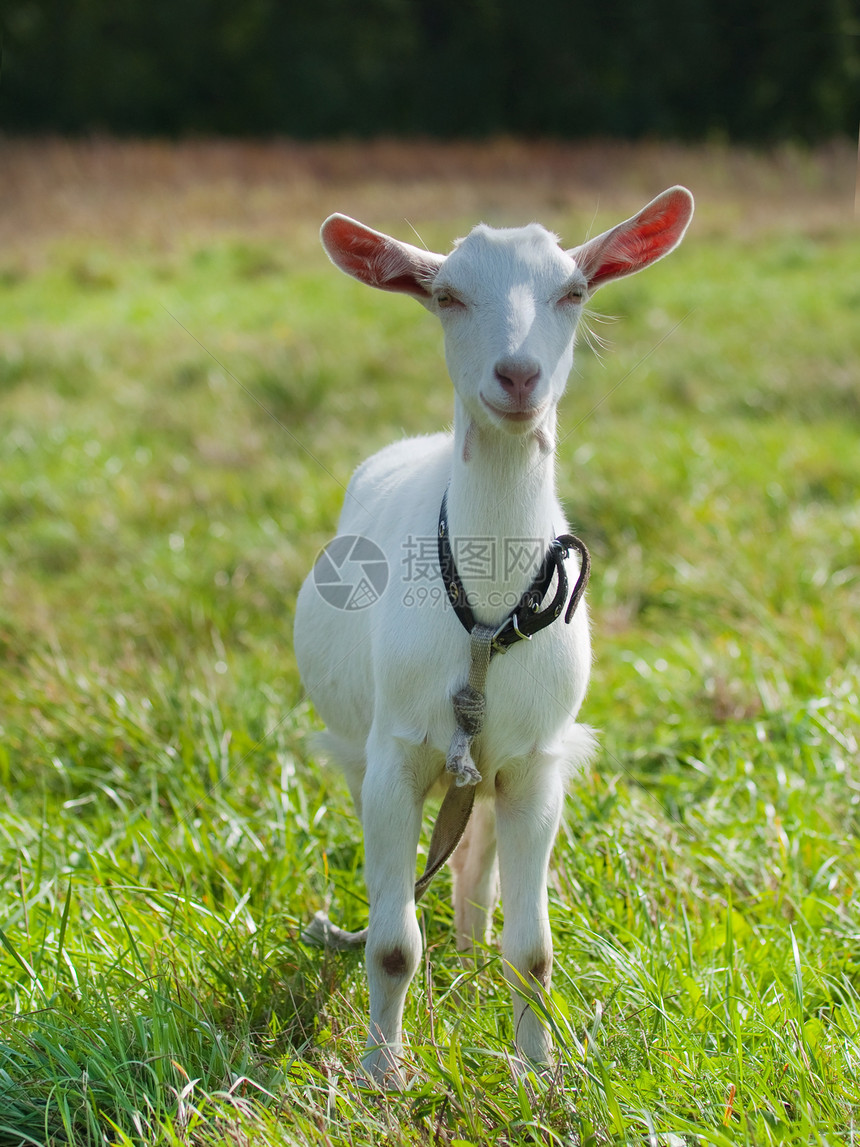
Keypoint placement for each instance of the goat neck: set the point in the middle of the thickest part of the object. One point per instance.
(502, 509)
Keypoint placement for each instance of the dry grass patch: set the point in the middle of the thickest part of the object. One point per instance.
(163, 194)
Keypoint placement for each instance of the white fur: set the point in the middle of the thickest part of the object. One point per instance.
(382, 678)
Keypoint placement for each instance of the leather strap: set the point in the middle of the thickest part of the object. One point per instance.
(526, 618)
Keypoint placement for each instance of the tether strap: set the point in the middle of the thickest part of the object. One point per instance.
(448, 831)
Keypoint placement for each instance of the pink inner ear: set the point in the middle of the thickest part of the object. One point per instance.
(655, 235)
(376, 259)
(355, 250)
(642, 240)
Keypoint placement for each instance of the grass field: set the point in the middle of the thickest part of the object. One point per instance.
(185, 386)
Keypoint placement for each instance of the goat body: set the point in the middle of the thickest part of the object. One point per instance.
(382, 677)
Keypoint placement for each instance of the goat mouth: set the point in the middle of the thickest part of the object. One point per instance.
(529, 415)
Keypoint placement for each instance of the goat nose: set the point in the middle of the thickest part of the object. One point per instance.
(517, 376)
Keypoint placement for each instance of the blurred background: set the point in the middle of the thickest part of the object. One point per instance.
(749, 70)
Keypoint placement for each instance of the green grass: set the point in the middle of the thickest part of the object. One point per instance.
(178, 414)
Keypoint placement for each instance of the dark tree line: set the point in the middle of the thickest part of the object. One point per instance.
(742, 69)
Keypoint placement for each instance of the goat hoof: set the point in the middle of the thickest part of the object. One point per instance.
(381, 1072)
(524, 1069)
(321, 933)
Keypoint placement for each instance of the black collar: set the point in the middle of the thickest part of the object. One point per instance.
(526, 618)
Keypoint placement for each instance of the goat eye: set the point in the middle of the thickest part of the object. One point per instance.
(446, 299)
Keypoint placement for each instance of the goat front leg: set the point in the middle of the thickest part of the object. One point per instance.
(528, 809)
(391, 816)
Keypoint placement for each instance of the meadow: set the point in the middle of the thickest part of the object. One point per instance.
(186, 385)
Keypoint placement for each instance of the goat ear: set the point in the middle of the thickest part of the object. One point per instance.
(638, 242)
(377, 259)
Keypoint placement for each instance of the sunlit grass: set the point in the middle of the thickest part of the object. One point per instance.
(182, 396)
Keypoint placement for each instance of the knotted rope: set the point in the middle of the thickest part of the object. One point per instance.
(470, 704)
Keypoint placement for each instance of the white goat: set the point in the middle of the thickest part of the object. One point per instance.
(383, 677)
